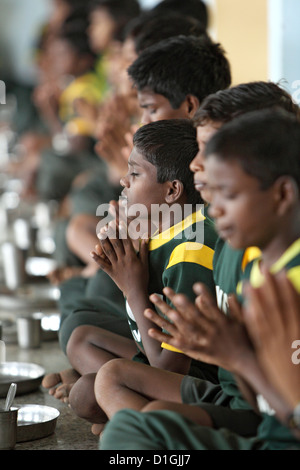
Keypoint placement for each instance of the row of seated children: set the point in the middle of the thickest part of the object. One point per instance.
(275, 96)
(138, 309)
(252, 168)
(113, 129)
(227, 393)
(208, 71)
(83, 42)
(66, 64)
(79, 301)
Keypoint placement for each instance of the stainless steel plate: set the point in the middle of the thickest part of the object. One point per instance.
(27, 376)
(35, 422)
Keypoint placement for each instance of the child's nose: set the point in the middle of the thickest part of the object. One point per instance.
(124, 182)
(215, 210)
(145, 119)
(197, 164)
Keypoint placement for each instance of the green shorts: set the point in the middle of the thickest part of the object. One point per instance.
(216, 403)
(167, 430)
(88, 302)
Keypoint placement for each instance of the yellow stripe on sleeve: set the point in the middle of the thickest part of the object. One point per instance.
(192, 252)
(294, 276)
(250, 254)
(170, 348)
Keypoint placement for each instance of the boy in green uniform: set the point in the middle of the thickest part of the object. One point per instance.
(179, 254)
(252, 166)
(217, 109)
(80, 231)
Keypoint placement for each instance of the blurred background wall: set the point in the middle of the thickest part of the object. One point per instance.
(20, 23)
(261, 37)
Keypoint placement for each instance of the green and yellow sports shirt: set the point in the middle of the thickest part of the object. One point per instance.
(178, 260)
(228, 268)
(271, 429)
(289, 261)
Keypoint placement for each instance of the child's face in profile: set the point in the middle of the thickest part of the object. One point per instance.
(101, 29)
(157, 107)
(244, 213)
(197, 166)
(140, 186)
(64, 59)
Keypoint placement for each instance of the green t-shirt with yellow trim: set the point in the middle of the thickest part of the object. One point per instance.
(178, 258)
(228, 268)
(271, 429)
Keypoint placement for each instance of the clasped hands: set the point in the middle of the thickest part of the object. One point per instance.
(265, 330)
(200, 329)
(116, 255)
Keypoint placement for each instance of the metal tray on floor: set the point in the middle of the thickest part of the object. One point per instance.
(27, 376)
(35, 422)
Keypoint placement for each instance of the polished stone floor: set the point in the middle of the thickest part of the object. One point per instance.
(71, 432)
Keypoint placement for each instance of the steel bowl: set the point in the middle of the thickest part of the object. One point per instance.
(27, 376)
(35, 422)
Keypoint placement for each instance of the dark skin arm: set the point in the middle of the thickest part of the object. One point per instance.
(118, 258)
(273, 336)
(203, 332)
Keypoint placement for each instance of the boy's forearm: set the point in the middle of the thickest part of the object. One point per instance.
(138, 301)
(250, 371)
(157, 356)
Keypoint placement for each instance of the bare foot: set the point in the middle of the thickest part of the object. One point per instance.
(62, 392)
(97, 429)
(60, 384)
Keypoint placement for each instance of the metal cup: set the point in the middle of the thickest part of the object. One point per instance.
(8, 428)
(29, 331)
(2, 351)
(13, 265)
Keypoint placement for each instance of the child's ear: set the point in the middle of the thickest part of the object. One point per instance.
(193, 104)
(287, 192)
(174, 192)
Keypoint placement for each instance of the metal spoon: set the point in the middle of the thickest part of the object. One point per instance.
(10, 396)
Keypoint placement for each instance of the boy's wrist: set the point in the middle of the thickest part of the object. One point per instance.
(242, 363)
(137, 294)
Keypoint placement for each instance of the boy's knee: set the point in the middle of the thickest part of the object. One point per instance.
(78, 336)
(72, 229)
(108, 375)
(156, 405)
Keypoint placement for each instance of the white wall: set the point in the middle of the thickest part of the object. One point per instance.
(284, 44)
(20, 21)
